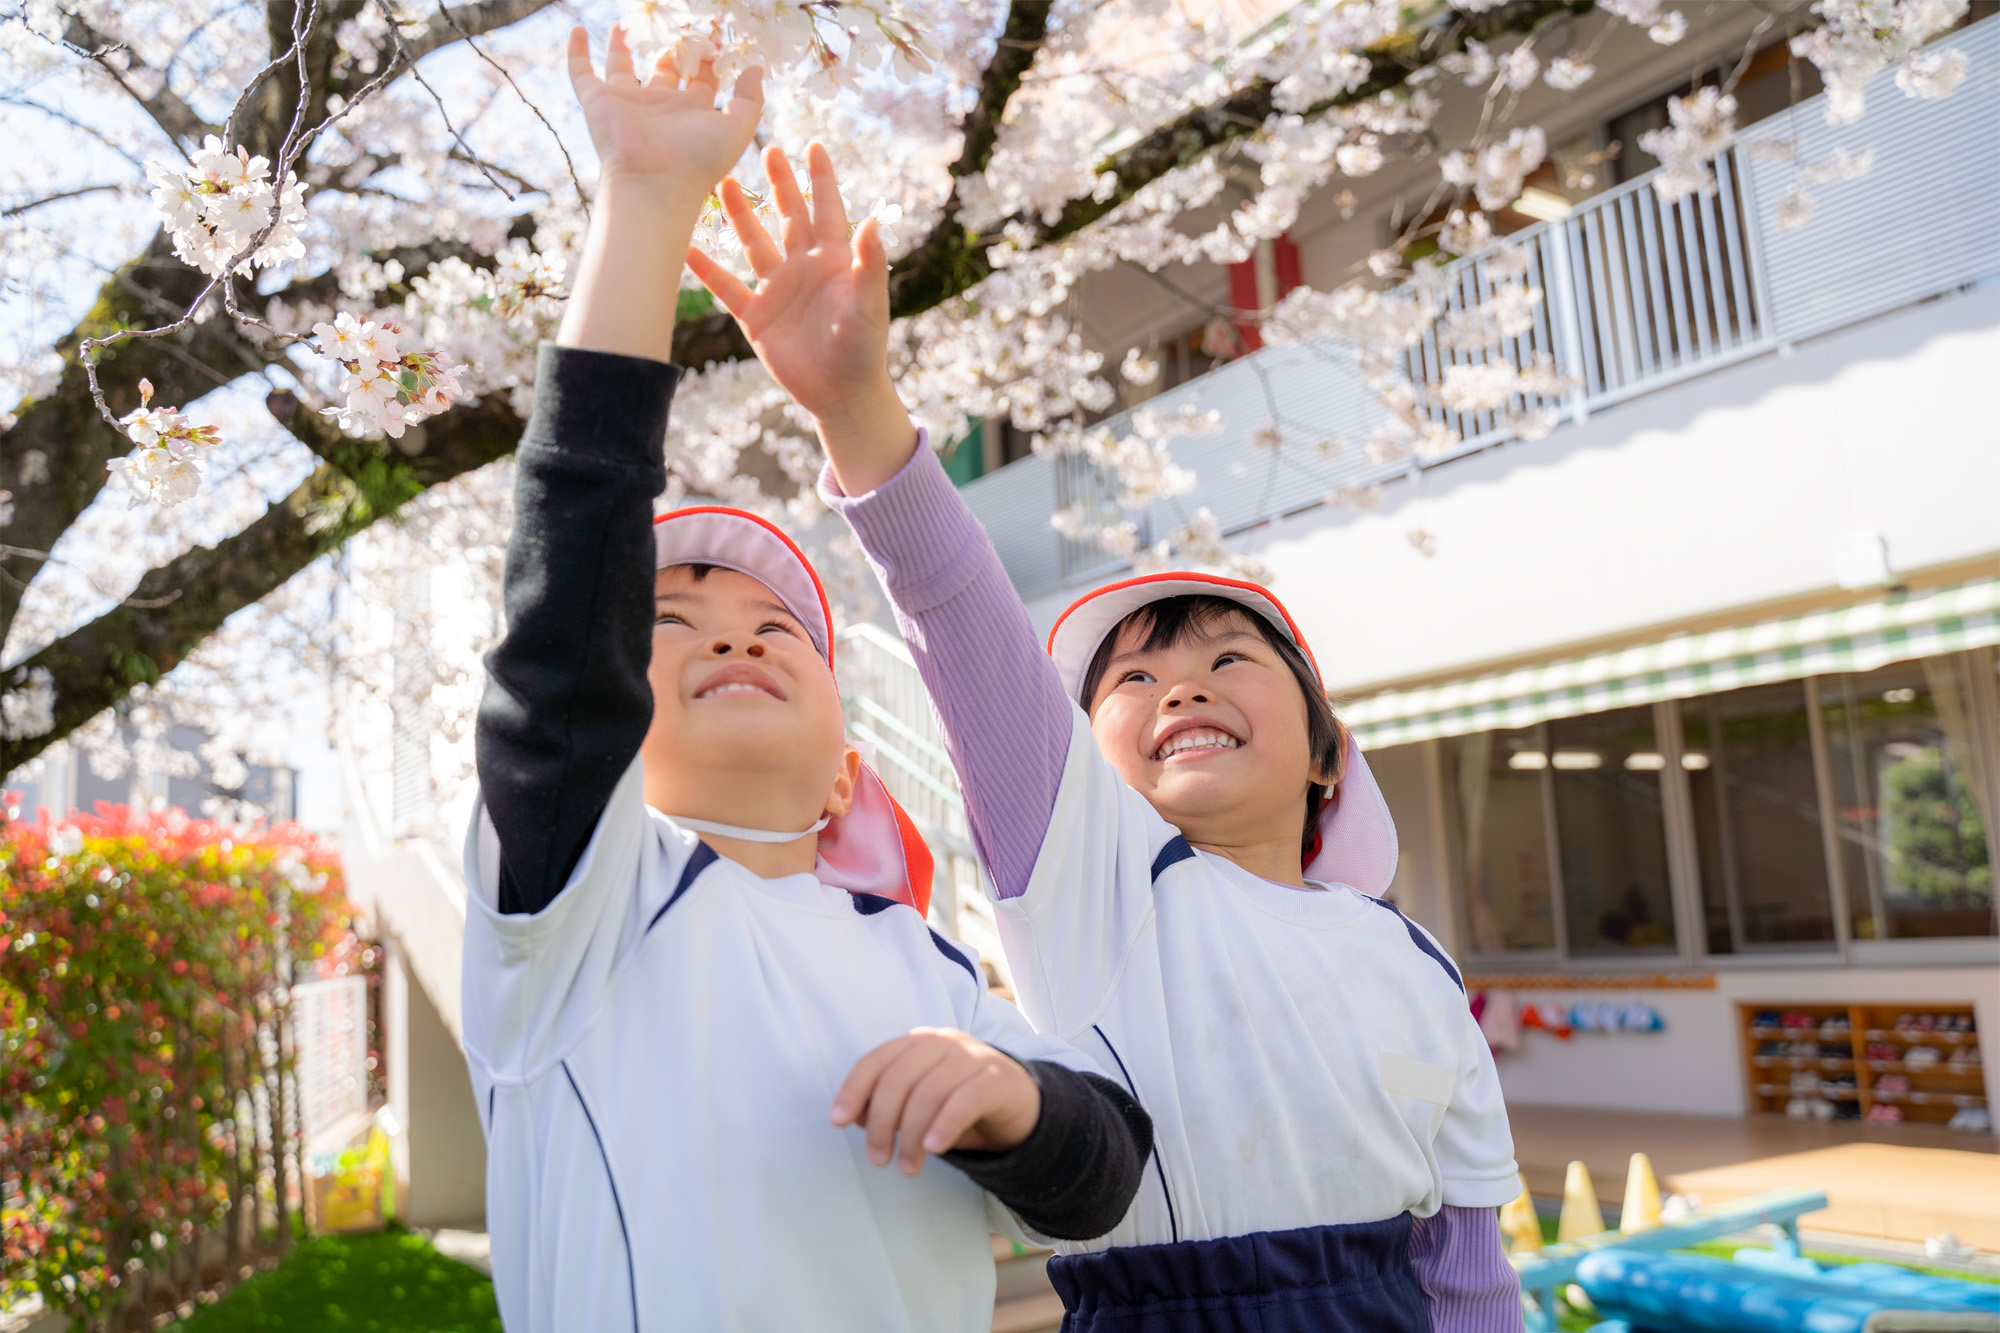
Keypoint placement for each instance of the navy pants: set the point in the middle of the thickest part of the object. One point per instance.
(1344, 1279)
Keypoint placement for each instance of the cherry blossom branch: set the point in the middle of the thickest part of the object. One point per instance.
(403, 52)
(561, 147)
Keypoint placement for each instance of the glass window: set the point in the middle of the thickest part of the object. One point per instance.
(1497, 776)
(1749, 762)
(1910, 789)
(1604, 771)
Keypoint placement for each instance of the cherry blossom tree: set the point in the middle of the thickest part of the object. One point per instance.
(324, 237)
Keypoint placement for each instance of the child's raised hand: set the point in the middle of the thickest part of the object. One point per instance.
(819, 316)
(662, 130)
(933, 1090)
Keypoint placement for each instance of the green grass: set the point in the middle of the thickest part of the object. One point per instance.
(388, 1282)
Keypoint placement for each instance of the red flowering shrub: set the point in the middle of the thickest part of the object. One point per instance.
(143, 969)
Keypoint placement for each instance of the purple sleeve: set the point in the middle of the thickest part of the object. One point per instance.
(1005, 718)
(1469, 1287)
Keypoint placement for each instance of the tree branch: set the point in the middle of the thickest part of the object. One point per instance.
(73, 443)
(97, 665)
(949, 263)
(929, 267)
(451, 25)
(179, 121)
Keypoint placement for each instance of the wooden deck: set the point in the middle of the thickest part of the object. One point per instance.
(1889, 1182)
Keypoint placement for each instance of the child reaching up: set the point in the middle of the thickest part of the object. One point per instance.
(702, 1009)
(1187, 852)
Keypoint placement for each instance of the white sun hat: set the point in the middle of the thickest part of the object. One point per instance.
(874, 847)
(1356, 845)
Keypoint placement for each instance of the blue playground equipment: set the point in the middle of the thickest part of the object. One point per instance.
(1638, 1286)
(1688, 1293)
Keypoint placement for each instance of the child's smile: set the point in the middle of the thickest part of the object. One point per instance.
(1191, 738)
(740, 680)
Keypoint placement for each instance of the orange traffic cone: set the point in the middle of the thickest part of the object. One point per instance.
(1642, 1196)
(1580, 1215)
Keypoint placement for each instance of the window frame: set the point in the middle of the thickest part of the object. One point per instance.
(1684, 861)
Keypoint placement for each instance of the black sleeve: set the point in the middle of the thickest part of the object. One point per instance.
(566, 703)
(1074, 1176)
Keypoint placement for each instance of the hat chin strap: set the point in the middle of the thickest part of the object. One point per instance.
(746, 834)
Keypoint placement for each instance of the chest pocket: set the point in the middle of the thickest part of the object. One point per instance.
(1414, 1078)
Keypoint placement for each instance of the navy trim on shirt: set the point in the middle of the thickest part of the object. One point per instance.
(955, 957)
(868, 904)
(631, 1275)
(1423, 941)
(1173, 1224)
(703, 857)
(1176, 851)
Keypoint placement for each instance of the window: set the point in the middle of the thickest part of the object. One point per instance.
(1756, 811)
(1504, 830)
(1588, 788)
(1911, 774)
(1611, 826)
(1748, 755)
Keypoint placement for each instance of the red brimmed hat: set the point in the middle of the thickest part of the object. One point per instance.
(875, 846)
(1356, 845)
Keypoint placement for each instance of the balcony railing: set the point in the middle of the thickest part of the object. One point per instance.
(1637, 295)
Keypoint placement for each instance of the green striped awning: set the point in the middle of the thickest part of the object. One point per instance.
(1857, 637)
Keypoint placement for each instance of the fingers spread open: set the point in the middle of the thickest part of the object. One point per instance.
(829, 213)
(758, 246)
(725, 286)
(746, 99)
(618, 58)
(581, 75)
(704, 80)
(791, 203)
(869, 256)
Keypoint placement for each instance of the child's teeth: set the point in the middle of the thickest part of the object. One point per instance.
(1199, 740)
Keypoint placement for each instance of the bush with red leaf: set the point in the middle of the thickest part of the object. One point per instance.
(144, 966)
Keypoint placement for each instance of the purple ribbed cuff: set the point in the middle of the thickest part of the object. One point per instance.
(1469, 1287)
(1005, 719)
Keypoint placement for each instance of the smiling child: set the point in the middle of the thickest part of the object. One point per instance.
(1187, 853)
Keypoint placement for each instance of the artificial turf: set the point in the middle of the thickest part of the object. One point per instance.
(387, 1282)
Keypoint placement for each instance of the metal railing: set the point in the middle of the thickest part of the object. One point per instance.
(888, 708)
(1638, 294)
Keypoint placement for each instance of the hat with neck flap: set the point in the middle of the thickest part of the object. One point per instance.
(875, 846)
(1356, 841)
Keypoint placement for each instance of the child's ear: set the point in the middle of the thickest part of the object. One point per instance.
(841, 799)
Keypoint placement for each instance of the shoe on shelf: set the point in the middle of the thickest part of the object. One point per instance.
(1921, 1057)
(1971, 1120)
(1885, 1115)
(1891, 1085)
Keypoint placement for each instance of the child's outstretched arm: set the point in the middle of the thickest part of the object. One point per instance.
(567, 703)
(819, 321)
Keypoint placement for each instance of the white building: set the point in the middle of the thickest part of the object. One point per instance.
(1693, 700)
(1663, 700)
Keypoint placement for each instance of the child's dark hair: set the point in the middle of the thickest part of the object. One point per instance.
(1174, 620)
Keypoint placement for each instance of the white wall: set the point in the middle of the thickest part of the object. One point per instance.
(1696, 1064)
(1731, 490)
